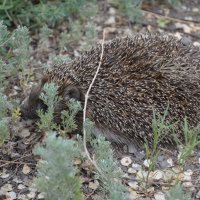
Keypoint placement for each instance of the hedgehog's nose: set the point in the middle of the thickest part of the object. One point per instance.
(23, 108)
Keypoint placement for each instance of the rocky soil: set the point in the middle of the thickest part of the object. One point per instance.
(17, 162)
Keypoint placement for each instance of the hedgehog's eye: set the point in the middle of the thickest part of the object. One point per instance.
(41, 105)
(72, 92)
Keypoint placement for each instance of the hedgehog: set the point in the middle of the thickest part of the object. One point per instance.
(139, 75)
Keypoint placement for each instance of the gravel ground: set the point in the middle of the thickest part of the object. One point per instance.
(18, 164)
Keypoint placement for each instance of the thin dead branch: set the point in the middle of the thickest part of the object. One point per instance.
(86, 101)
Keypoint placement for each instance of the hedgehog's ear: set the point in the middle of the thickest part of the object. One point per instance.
(36, 91)
(72, 92)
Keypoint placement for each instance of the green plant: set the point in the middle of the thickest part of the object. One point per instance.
(130, 8)
(36, 14)
(50, 97)
(57, 176)
(73, 35)
(191, 140)
(162, 22)
(14, 49)
(20, 44)
(160, 129)
(90, 36)
(176, 192)
(68, 116)
(109, 173)
(76, 32)
(14, 52)
(4, 130)
(45, 34)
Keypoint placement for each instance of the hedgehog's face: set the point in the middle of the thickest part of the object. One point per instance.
(33, 103)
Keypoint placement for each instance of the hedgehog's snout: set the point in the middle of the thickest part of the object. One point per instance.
(29, 109)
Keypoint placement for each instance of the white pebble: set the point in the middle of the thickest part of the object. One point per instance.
(133, 195)
(187, 184)
(112, 11)
(159, 196)
(141, 175)
(21, 186)
(131, 171)
(5, 176)
(110, 20)
(133, 185)
(147, 163)
(126, 161)
(189, 172)
(136, 166)
(198, 195)
(26, 169)
(16, 180)
(31, 195)
(12, 195)
(157, 175)
(197, 44)
(6, 188)
(195, 9)
(170, 162)
(41, 195)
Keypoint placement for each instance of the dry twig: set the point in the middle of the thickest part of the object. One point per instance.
(85, 104)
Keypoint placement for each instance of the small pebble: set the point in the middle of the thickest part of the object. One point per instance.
(112, 11)
(151, 190)
(197, 44)
(110, 20)
(16, 180)
(178, 35)
(133, 195)
(4, 175)
(32, 189)
(168, 175)
(131, 171)
(12, 195)
(157, 175)
(185, 27)
(187, 175)
(24, 133)
(188, 18)
(147, 163)
(126, 161)
(187, 184)
(22, 197)
(161, 158)
(21, 186)
(159, 196)
(195, 10)
(136, 166)
(41, 195)
(31, 195)
(198, 195)
(133, 185)
(93, 185)
(17, 88)
(77, 161)
(141, 175)
(170, 162)
(26, 169)
(6, 188)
